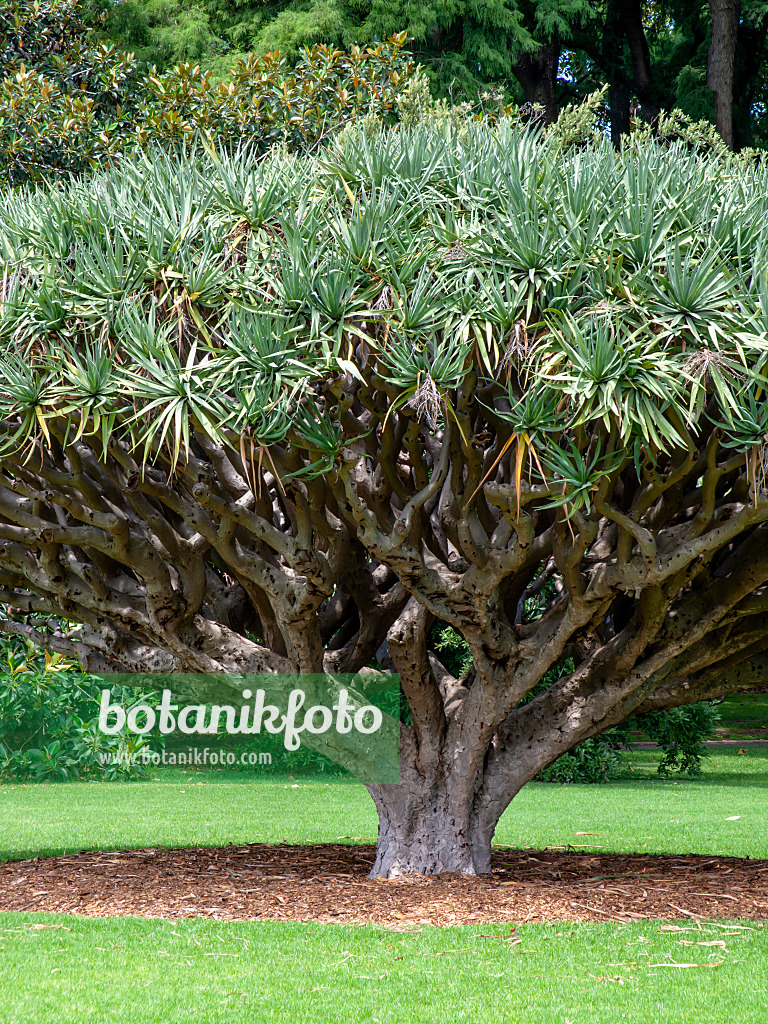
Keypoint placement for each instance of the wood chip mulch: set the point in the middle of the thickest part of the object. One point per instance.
(328, 883)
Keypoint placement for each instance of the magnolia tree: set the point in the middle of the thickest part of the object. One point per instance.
(68, 105)
(287, 415)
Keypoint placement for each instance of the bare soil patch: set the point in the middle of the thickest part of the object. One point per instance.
(329, 883)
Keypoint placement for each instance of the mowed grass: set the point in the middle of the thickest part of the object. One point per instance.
(57, 969)
(742, 714)
(722, 813)
(61, 969)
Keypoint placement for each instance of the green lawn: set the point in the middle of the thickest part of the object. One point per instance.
(68, 970)
(642, 813)
(61, 969)
(744, 716)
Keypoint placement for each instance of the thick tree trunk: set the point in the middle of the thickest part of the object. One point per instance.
(720, 63)
(618, 105)
(537, 74)
(428, 832)
(440, 817)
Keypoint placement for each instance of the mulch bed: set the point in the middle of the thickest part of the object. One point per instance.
(328, 883)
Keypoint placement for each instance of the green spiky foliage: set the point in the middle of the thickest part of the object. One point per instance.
(287, 414)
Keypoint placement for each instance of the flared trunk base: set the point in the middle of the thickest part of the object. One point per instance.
(431, 840)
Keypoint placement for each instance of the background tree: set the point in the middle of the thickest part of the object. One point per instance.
(268, 416)
(69, 104)
(721, 62)
(708, 60)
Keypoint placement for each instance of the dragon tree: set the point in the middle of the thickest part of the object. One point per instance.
(289, 414)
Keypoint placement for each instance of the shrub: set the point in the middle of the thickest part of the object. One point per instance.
(452, 649)
(68, 105)
(416, 106)
(680, 733)
(49, 719)
(594, 760)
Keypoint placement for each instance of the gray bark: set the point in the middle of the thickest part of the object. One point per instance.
(421, 831)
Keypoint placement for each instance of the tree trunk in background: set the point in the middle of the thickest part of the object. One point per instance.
(537, 74)
(613, 65)
(618, 105)
(641, 59)
(720, 63)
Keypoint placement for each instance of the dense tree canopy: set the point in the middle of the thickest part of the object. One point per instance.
(707, 59)
(69, 104)
(285, 415)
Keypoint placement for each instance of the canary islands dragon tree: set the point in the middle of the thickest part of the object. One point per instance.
(286, 415)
